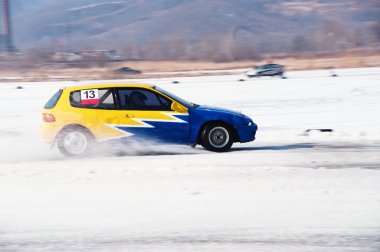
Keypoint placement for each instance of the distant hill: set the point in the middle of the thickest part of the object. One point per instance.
(166, 28)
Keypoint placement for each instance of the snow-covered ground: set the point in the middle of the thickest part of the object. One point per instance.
(287, 191)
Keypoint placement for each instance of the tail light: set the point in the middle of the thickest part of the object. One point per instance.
(48, 117)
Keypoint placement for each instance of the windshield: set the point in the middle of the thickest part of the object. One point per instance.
(174, 97)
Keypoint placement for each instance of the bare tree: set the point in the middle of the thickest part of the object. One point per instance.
(300, 44)
(376, 30)
(356, 38)
(36, 56)
(330, 36)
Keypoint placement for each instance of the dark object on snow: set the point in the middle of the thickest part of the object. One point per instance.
(127, 70)
(241, 80)
(267, 70)
(175, 82)
(306, 133)
(19, 87)
(332, 72)
(321, 130)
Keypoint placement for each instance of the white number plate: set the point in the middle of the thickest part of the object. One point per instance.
(90, 96)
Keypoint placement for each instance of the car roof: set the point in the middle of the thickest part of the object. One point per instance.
(276, 65)
(107, 85)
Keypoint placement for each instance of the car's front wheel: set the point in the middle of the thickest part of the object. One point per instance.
(74, 141)
(217, 137)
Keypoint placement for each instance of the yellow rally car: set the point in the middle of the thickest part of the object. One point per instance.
(77, 117)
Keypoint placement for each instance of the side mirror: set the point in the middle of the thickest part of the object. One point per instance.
(178, 107)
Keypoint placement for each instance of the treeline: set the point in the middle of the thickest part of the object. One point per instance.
(331, 36)
(334, 35)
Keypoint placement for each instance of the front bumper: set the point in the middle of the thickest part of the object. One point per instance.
(247, 133)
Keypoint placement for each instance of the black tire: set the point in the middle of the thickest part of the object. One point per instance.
(217, 137)
(75, 141)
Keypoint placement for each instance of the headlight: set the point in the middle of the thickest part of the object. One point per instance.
(242, 120)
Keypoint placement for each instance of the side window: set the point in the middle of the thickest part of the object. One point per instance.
(142, 99)
(93, 98)
(107, 99)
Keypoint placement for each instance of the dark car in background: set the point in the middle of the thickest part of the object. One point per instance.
(267, 70)
(127, 70)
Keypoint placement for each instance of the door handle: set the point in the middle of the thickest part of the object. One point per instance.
(130, 115)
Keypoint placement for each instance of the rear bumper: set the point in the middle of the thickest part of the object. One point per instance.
(49, 131)
(247, 133)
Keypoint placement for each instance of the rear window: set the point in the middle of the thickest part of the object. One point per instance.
(53, 100)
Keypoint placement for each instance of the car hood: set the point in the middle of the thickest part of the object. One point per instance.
(219, 110)
(202, 114)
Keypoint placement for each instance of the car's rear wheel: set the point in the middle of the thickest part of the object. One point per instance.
(217, 137)
(75, 141)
